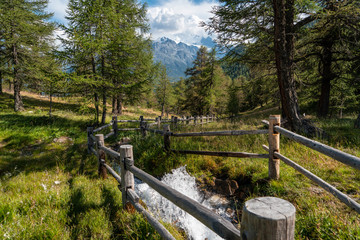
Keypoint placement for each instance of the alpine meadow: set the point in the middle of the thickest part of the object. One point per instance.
(241, 121)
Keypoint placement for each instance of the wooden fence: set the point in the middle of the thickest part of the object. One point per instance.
(219, 225)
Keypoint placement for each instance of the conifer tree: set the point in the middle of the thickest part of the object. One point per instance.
(199, 83)
(25, 35)
(163, 90)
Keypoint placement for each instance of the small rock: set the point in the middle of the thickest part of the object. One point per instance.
(63, 139)
(57, 182)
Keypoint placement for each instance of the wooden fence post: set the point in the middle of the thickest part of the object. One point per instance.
(175, 122)
(167, 140)
(268, 218)
(89, 139)
(187, 120)
(274, 146)
(115, 126)
(195, 120)
(159, 122)
(101, 155)
(127, 178)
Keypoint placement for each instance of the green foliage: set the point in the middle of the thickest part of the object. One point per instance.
(206, 85)
(25, 42)
(164, 91)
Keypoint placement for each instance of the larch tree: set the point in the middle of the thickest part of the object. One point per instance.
(163, 90)
(273, 25)
(25, 35)
(200, 82)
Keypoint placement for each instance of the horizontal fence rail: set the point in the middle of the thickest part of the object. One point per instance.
(336, 154)
(328, 187)
(213, 221)
(101, 128)
(221, 133)
(134, 199)
(223, 154)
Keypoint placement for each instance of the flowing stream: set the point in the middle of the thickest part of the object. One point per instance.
(180, 180)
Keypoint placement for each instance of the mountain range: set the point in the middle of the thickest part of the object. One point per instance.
(177, 57)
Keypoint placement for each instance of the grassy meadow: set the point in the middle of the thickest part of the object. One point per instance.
(51, 190)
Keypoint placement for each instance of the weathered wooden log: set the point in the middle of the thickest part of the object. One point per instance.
(92, 150)
(274, 146)
(221, 133)
(128, 129)
(112, 172)
(127, 178)
(101, 128)
(128, 121)
(155, 131)
(328, 187)
(223, 154)
(109, 135)
(167, 140)
(268, 218)
(115, 125)
(336, 154)
(101, 155)
(219, 225)
(111, 152)
(134, 199)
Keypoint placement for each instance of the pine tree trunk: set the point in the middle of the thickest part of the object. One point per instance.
(327, 77)
(114, 107)
(103, 118)
(96, 97)
(1, 83)
(50, 109)
(18, 104)
(357, 122)
(284, 55)
(119, 105)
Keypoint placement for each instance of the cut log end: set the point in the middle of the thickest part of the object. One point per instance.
(268, 218)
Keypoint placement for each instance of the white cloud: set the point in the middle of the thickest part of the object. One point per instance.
(58, 7)
(179, 20)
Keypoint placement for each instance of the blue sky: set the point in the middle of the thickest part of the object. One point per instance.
(176, 19)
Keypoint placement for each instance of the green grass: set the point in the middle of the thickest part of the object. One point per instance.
(319, 214)
(51, 190)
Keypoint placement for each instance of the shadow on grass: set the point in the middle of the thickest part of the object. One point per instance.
(7, 102)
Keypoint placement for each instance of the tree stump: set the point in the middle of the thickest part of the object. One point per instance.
(268, 218)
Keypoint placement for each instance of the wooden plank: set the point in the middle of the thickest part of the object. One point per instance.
(155, 131)
(164, 233)
(109, 135)
(94, 152)
(219, 225)
(221, 133)
(223, 154)
(93, 137)
(128, 121)
(112, 172)
(336, 154)
(111, 152)
(328, 187)
(129, 129)
(103, 127)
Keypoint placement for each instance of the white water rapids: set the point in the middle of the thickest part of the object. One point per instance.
(162, 208)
